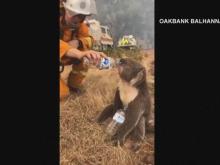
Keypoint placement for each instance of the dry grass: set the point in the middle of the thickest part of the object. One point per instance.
(82, 141)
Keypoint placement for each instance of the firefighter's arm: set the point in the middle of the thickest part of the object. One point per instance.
(68, 53)
(66, 50)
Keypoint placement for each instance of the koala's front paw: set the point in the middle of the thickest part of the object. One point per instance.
(121, 141)
(117, 140)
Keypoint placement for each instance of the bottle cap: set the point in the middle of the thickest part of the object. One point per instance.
(119, 118)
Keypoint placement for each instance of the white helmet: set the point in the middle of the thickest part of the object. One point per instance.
(85, 7)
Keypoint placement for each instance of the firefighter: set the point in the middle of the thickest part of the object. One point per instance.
(76, 43)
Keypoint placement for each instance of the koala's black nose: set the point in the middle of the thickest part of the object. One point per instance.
(122, 61)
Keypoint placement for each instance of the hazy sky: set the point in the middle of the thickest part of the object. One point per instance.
(126, 17)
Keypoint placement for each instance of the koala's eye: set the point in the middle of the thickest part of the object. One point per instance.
(122, 61)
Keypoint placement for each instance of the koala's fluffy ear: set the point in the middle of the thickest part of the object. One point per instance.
(140, 77)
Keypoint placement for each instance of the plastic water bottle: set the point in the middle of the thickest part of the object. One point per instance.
(104, 63)
(117, 121)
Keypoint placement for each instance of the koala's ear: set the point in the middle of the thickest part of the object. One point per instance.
(140, 77)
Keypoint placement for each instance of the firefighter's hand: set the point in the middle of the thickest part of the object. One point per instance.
(94, 56)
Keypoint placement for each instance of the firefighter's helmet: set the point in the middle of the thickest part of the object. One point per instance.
(85, 7)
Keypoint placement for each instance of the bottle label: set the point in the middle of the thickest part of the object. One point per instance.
(105, 63)
(119, 118)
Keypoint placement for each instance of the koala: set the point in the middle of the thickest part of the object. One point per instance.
(132, 92)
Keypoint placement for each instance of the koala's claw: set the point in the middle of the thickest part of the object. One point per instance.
(117, 141)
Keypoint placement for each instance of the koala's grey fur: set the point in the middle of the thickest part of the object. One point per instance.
(132, 92)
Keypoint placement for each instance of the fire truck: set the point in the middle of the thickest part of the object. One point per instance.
(127, 41)
(101, 34)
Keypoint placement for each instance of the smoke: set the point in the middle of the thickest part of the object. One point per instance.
(125, 17)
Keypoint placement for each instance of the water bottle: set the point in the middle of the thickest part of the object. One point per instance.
(106, 63)
(117, 121)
